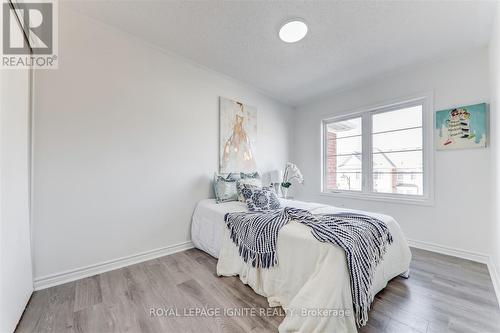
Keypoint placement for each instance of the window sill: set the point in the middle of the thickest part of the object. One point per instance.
(396, 199)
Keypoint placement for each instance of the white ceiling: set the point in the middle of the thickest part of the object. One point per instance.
(348, 41)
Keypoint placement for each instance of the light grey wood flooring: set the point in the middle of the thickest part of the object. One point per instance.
(443, 294)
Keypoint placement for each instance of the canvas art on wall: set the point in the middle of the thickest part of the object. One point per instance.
(238, 134)
(463, 127)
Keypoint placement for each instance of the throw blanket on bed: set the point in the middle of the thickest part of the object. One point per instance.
(363, 238)
(256, 235)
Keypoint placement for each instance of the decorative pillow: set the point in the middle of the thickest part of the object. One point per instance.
(259, 199)
(225, 187)
(247, 182)
(244, 175)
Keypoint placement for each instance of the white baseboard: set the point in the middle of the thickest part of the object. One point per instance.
(469, 255)
(51, 280)
(450, 251)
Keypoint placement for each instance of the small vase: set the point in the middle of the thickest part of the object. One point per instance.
(284, 192)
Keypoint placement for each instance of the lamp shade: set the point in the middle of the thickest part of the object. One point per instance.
(276, 176)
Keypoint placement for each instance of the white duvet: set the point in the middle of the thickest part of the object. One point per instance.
(311, 281)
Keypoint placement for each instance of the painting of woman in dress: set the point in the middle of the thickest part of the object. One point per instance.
(238, 131)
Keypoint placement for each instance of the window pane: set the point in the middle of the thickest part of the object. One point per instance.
(347, 181)
(344, 146)
(397, 151)
(398, 162)
(343, 155)
(345, 128)
(400, 183)
(397, 119)
(396, 141)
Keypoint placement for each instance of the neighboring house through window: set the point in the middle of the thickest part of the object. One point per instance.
(383, 153)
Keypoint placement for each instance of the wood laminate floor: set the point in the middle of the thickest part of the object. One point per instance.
(443, 294)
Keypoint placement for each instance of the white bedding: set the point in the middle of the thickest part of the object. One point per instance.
(208, 225)
(310, 275)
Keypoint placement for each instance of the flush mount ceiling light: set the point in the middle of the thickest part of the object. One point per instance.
(293, 31)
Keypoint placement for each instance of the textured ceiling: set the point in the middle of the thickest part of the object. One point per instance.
(348, 41)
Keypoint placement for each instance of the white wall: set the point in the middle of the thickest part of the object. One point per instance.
(460, 218)
(495, 143)
(126, 143)
(16, 279)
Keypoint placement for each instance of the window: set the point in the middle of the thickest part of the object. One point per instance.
(382, 153)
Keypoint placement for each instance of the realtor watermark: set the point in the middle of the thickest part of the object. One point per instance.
(29, 34)
(247, 312)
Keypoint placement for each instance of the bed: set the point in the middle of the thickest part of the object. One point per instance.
(311, 281)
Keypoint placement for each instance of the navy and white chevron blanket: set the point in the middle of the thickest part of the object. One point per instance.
(256, 235)
(364, 240)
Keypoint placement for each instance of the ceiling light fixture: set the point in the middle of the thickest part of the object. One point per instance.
(293, 31)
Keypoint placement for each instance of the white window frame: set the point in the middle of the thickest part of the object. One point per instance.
(366, 192)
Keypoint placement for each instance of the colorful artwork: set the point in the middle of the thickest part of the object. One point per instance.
(463, 127)
(238, 132)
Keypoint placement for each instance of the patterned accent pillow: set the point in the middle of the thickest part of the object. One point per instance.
(244, 175)
(247, 183)
(260, 199)
(225, 187)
